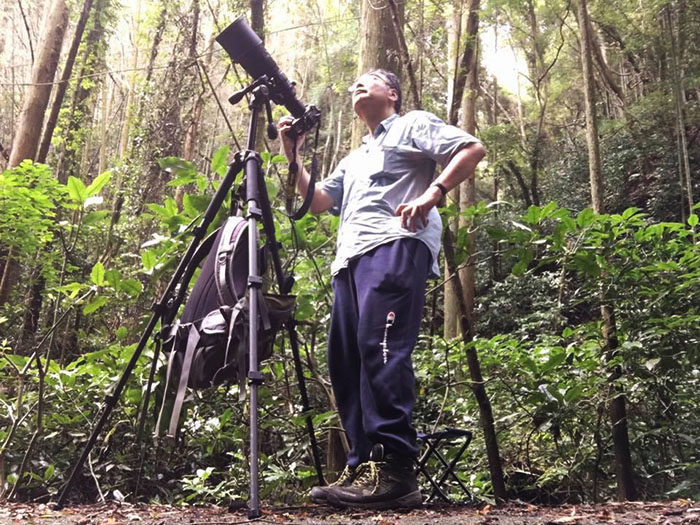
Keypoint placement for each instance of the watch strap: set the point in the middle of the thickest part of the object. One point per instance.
(442, 188)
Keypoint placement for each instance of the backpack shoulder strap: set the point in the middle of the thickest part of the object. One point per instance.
(192, 340)
(232, 234)
(199, 255)
(168, 376)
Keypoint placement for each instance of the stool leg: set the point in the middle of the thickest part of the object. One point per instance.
(450, 466)
(421, 467)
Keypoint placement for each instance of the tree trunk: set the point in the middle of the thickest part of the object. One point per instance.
(477, 380)
(467, 192)
(454, 37)
(26, 141)
(193, 127)
(129, 103)
(403, 52)
(453, 22)
(495, 257)
(618, 413)
(595, 171)
(379, 48)
(257, 20)
(104, 119)
(81, 112)
(679, 99)
(471, 31)
(540, 79)
(8, 276)
(28, 131)
(605, 71)
(192, 131)
(63, 84)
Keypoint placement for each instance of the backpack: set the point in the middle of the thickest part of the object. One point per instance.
(208, 345)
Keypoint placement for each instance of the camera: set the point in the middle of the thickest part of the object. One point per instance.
(245, 47)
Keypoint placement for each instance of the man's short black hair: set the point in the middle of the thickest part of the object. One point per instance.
(393, 82)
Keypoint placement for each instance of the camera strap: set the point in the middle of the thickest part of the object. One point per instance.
(293, 170)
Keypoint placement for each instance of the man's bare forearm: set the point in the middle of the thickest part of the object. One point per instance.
(414, 214)
(321, 201)
(462, 166)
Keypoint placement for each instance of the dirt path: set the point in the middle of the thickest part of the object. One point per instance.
(670, 513)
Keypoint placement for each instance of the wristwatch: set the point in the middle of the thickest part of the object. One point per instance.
(442, 188)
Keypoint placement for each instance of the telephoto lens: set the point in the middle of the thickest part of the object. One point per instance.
(246, 48)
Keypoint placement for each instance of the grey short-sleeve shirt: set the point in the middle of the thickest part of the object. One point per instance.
(394, 166)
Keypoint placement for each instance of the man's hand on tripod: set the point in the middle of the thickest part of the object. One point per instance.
(288, 142)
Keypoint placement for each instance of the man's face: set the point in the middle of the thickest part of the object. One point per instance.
(371, 92)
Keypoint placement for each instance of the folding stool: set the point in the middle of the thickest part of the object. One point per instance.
(432, 443)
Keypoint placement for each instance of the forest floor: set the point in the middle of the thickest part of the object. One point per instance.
(670, 513)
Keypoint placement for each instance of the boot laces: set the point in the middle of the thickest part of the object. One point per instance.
(368, 475)
(345, 476)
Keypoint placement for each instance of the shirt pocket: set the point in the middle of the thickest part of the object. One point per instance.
(400, 159)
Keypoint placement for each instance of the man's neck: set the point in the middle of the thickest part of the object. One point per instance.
(373, 121)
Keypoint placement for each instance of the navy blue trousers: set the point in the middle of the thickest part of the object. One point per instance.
(377, 310)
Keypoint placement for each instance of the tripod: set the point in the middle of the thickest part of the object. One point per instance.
(258, 210)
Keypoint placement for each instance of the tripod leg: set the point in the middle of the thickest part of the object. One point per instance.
(253, 178)
(285, 283)
(142, 418)
(167, 303)
(294, 343)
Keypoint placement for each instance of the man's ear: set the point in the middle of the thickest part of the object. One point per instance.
(393, 94)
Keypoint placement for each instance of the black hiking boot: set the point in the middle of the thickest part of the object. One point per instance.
(386, 482)
(319, 494)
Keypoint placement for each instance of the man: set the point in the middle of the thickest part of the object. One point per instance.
(388, 244)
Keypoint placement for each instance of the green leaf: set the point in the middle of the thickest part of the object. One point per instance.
(148, 258)
(279, 159)
(586, 263)
(573, 394)
(629, 212)
(121, 333)
(182, 181)
(521, 226)
(131, 286)
(322, 419)
(113, 278)
(195, 204)
(178, 167)
(693, 220)
(585, 217)
(99, 183)
(555, 359)
(533, 215)
(71, 289)
(96, 216)
(49, 472)
(520, 267)
(273, 187)
(97, 275)
(218, 160)
(300, 236)
(77, 190)
(548, 210)
(99, 302)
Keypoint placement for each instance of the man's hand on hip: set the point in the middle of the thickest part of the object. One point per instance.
(414, 213)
